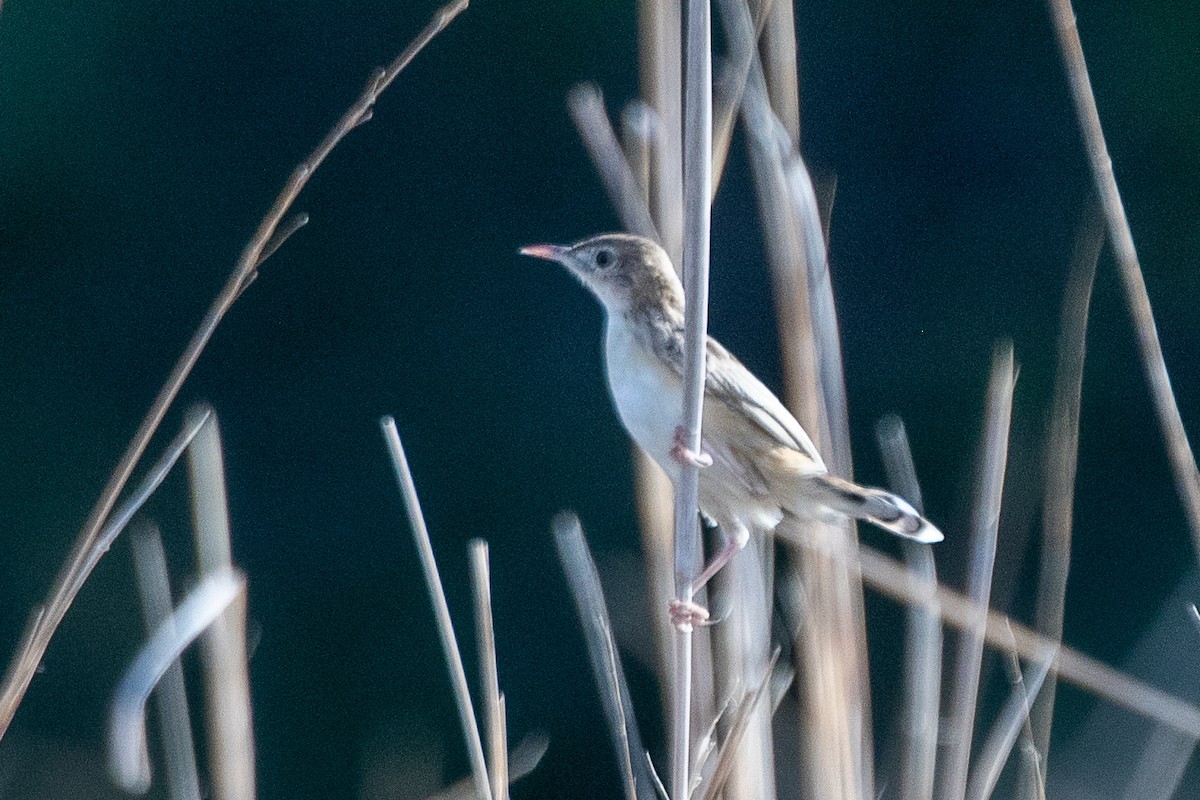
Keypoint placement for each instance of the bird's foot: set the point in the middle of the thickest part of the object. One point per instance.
(686, 615)
(685, 456)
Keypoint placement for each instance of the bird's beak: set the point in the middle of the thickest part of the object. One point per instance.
(550, 252)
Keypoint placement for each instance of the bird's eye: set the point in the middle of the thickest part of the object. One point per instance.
(604, 258)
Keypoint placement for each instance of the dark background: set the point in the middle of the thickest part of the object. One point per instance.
(141, 142)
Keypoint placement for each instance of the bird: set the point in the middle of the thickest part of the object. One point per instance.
(758, 464)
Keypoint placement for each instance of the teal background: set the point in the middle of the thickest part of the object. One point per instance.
(141, 142)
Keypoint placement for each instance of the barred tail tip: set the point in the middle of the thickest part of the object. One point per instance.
(910, 524)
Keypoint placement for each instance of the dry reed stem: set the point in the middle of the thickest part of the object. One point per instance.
(985, 523)
(894, 580)
(780, 65)
(44, 620)
(712, 789)
(923, 643)
(1013, 717)
(174, 717)
(226, 668)
(441, 610)
(697, 194)
(639, 128)
(586, 104)
(485, 639)
(1179, 451)
(1062, 456)
(128, 755)
(660, 68)
(588, 595)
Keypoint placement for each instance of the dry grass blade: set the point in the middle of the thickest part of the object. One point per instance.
(741, 720)
(606, 664)
(1179, 451)
(1062, 452)
(923, 644)
(1013, 717)
(985, 522)
(174, 717)
(66, 585)
(485, 637)
(586, 105)
(441, 610)
(893, 579)
(128, 757)
(226, 667)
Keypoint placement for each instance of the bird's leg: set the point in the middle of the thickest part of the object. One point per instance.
(684, 456)
(685, 613)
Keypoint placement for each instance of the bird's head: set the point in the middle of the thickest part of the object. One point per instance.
(625, 272)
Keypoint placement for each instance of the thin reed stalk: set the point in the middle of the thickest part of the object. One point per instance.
(1179, 450)
(493, 701)
(985, 524)
(895, 580)
(697, 173)
(44, 620)
(1013, 718)
(1062, 458)
(174, 717)
(128, 755)
(586, 104)
(923, 643)
(226, 668)
(588, 594)
(441, 610)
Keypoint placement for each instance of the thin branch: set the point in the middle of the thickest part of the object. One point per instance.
(485, 637)
(75, 571)
(985, 522)
(433, 582)
(606, 664)
(697, 174)
(128, 758)
(1179, 451)
(174, 717)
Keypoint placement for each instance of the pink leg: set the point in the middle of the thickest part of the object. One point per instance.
(684, 613)
(684, 456)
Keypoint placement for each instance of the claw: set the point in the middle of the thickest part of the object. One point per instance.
(685, 456)
(686, 615)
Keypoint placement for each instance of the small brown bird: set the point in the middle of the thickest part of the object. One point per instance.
(760, 464)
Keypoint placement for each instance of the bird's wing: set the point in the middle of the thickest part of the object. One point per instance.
(730, 383)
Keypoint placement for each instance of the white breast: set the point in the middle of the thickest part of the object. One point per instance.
(648, 395)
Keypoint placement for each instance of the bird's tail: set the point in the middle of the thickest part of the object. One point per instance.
(888, 511)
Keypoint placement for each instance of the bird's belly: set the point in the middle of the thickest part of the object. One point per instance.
(647, 395)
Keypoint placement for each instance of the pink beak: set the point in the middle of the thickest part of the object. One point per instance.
(550, 252)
